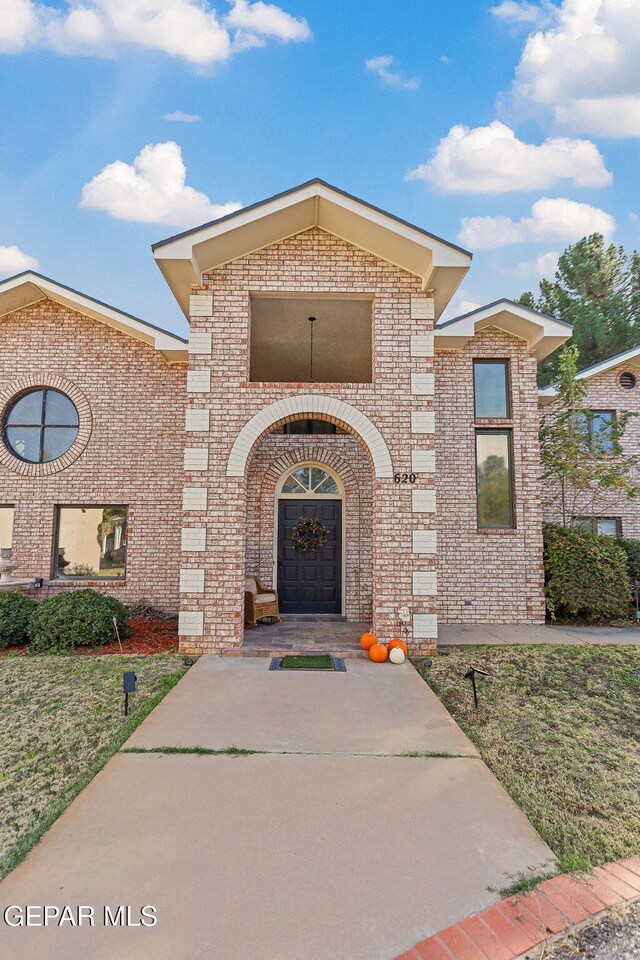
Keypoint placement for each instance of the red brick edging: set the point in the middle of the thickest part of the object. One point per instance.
(514, 926)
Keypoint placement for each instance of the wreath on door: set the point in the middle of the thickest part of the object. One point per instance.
(309, 535)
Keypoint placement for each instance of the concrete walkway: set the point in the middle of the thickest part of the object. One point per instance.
(342, 850)
(498, 634)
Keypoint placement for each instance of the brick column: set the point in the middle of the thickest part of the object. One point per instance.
(424, 544)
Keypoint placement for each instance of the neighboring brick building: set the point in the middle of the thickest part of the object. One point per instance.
(613, 387)
(318, 380)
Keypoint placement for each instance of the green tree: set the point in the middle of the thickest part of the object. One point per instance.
(597, 289)
(585, 471)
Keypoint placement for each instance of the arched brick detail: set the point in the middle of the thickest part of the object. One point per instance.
(357, 512)
(321, 407)
(11, 391)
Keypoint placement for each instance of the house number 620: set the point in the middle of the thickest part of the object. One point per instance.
(404, 478)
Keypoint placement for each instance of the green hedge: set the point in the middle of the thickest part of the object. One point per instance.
(76, 618)
(632, 550)
(586, 575)
(15, 613)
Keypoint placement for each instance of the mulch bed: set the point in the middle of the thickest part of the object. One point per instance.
(149, 635)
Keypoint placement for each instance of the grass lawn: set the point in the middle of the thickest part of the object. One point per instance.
(559, 727)
(61, 719)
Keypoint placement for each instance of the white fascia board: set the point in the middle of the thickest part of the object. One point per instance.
(541, 333)
(159, 339)
(609, 364)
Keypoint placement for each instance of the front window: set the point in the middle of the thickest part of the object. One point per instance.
(600, 425)
(91, 543)
(40, 426)
(605, 526)
(491, 389)
(6, 527)
(310, 427)
(494, 479)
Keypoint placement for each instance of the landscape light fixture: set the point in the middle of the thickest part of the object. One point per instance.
(471, 675)
(115, 627)
(129, 685)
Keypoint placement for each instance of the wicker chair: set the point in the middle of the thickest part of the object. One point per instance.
(260, 602)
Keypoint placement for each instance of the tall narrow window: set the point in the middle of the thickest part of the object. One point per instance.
(494, 479)
(92, 542)
(601, 425)
(6, 527)
(491, 389)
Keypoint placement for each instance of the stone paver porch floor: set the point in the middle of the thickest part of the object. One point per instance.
(306, 634)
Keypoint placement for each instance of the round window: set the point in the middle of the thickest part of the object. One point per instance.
(40, 425)
(627, 380)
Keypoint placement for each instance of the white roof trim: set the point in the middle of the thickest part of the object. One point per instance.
(30, 287)
(184, 259)
(625, 357)
(542, 334)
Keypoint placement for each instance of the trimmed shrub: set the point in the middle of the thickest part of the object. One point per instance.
(76, 618)
(586, 574)
(632, 550)
(15, 613)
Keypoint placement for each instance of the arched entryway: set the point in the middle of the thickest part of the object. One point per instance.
(309, 581)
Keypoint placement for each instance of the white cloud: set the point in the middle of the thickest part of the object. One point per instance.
(584, 68)
(544, 265)
(18, 21)
(265, 19)
(492, 160)
(383, 68)
(511, 11)
(551, 221)
(179, 117)
(462, 303)
(13, 260)
(151, 190)
(189, 29)
(445, 59)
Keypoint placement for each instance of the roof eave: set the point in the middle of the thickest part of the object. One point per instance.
(30, 287)
(542, 334)
(185, 258)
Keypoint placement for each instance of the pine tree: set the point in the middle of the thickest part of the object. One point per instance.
(597, 289)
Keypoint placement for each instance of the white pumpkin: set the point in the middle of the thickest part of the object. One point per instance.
(397, 655)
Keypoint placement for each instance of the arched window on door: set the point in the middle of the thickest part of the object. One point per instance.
(309, 481)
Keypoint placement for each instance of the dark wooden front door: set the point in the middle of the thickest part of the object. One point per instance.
(310, 582)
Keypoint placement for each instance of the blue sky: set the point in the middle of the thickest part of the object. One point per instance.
(526, 114)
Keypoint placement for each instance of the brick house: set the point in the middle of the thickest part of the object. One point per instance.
(613, 387)
(318, 380)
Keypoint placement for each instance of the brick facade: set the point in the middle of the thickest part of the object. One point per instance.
(129, 451)
(604, 392)
(196, 452)
(399, 402)
(487, 576)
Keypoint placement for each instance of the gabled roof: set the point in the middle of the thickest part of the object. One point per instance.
(30, 287)
(627, 356)
(184, 258)
(543, 334)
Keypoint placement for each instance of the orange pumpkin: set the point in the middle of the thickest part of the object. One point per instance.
(378, 652)
(367, 640)
(401, 644)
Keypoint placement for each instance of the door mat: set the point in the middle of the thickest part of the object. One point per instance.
(315, 661)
